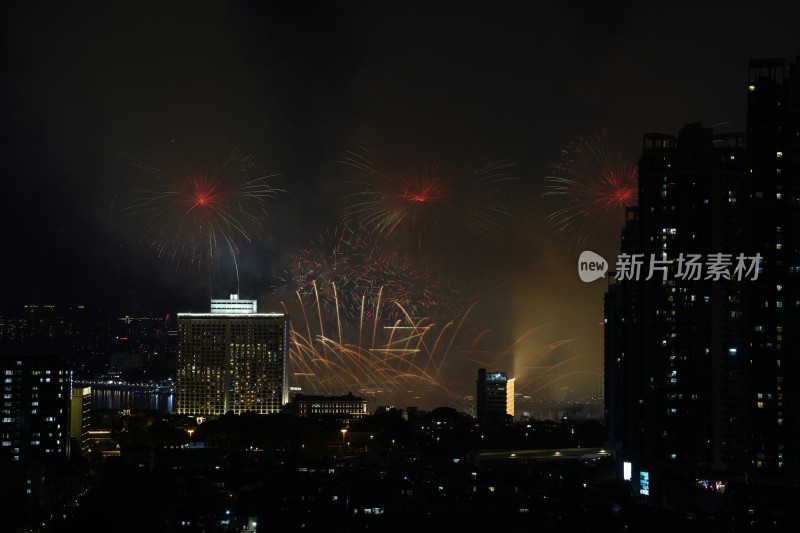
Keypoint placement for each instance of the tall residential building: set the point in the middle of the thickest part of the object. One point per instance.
(232, 359)
(495, 397)
(670, 338)
(700, 370)
(772, 367)
(35, 416)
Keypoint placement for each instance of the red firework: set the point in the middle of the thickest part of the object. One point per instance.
(424, 189)
(422, 211)
(596, 183)
(197, 215)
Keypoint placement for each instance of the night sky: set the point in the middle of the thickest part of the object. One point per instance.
(299, 85)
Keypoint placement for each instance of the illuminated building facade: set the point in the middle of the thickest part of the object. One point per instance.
(234, 306)
(231, 361)
(342, 408)
(493, 393)
(510, 397)
(80, 419)
(35, 415)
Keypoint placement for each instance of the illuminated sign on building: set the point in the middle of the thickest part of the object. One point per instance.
(644, 483)
(626, 471)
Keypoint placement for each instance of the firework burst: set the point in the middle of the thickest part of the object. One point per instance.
(197, 213)
(421, 211)
(347, 275)
(595, 185)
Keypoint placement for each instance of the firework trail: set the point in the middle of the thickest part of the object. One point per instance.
(595, 185)
(422, 210)
(196, 213)
(388, 361)
(379, 359)
(348, 274)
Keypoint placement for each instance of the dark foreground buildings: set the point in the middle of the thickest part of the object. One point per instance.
(35, 422)
(34, 433)
(703, 372)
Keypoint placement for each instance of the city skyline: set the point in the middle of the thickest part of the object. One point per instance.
(258, 253)
(89, 126)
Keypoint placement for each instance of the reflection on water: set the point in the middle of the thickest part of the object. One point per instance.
(118, 400)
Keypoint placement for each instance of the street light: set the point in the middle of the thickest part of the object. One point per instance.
(343, 432)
